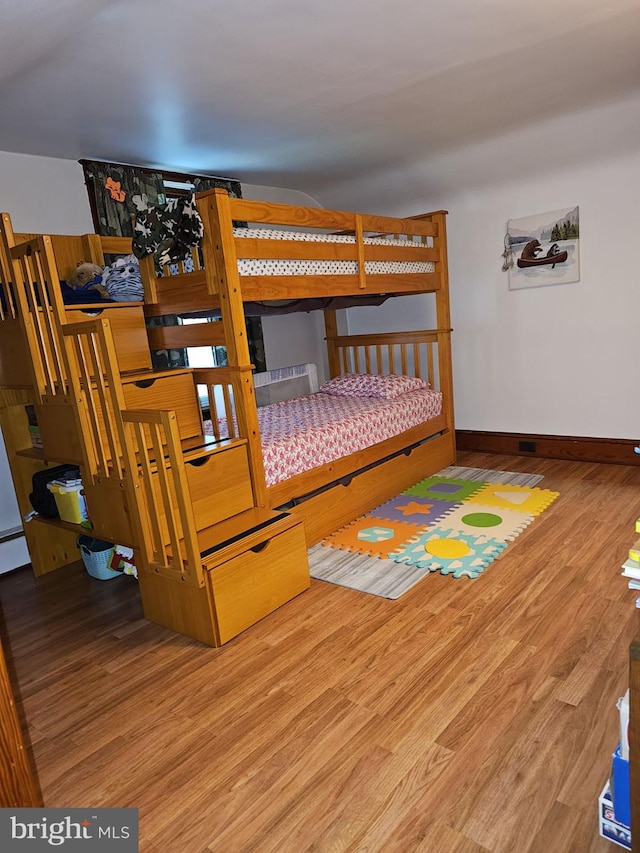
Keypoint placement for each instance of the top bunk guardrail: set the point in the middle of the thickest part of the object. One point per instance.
(259, 251)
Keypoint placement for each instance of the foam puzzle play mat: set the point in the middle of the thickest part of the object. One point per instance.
(449, 524)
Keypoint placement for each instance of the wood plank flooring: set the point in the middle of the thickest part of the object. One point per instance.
(466, 716)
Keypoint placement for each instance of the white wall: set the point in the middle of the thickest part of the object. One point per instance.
(44, 195)
(559, 360)
(13, 553)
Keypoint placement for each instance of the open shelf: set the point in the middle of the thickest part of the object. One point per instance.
(67, 525)
(31, 453)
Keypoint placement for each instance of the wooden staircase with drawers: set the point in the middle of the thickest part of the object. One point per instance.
(211, 558)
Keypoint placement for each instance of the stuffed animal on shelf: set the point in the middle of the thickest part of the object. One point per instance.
(87, 277)
(123, 280)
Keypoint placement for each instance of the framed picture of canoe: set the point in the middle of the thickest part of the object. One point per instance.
(543, 249)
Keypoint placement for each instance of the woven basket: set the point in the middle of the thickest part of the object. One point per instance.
(96, 556)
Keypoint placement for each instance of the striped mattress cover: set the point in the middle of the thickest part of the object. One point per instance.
(305, 433)
(285, 266)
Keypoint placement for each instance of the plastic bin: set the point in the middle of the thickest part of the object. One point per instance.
(71, 504)
(96, 556)
(620, 788)
(610, 827)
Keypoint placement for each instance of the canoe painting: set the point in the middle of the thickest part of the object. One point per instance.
(543, 249)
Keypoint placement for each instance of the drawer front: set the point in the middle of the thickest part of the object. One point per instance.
(61, 439)
(129, 334)
(218, 489)
(15, 358)
(257, 582)
(109, 512)
(176, 392)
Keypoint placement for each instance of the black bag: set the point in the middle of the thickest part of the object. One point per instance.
(41, 498)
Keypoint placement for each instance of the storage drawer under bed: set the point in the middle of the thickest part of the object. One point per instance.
(271, 569)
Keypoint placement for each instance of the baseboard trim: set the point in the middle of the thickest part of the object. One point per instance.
(618, 451)
(10, 534)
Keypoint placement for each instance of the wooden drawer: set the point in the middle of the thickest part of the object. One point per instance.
(176, 391)
(219, 487)
(129, 332)
(273, 569)
(62, 438)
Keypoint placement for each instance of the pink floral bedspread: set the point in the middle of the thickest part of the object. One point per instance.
(302, 434)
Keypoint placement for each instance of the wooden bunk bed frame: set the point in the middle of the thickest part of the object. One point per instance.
(89, 376)
(216, 283)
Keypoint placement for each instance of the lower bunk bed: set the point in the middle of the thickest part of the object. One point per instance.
(357, 440)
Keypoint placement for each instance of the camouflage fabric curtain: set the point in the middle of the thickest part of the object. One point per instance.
(118, 192)
(232, 187)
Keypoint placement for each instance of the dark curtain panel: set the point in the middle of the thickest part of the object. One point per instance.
(256, 343)
(118, 192)
(232, 187)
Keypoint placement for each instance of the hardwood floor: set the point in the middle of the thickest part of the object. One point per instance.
(466, 716)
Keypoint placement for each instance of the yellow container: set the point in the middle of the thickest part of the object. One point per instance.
(71, 504)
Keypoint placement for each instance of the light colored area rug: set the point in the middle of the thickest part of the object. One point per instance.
(486, 475)
(456, 522)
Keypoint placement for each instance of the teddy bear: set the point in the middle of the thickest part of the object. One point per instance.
(87, 276)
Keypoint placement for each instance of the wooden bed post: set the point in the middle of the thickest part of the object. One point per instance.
(223, 252)
(331, 328)
(443, 313)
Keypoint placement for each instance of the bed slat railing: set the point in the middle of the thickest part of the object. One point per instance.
(216, 386)
(139, 448)
(317, 217)
(98, 389)
(230, 394)
(15, 360)
(415, 353)
(39, 301)
(166, 524)
(215, 280)
(8, 309)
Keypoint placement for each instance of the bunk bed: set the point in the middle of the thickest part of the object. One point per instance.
(310, 258)
(190, 494)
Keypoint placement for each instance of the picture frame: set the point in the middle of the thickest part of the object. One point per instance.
(543, 249)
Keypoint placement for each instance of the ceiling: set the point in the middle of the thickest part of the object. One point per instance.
(292, 94)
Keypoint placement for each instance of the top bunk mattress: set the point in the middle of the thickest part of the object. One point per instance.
(305, 433)
(266, 266)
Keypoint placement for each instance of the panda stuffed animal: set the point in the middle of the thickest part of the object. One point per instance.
(123, 281)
